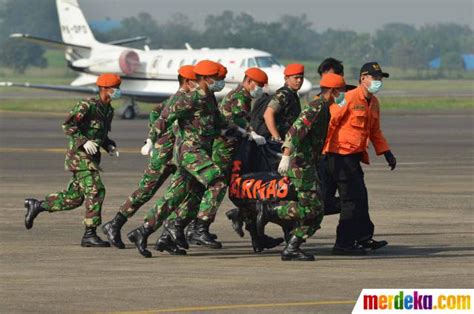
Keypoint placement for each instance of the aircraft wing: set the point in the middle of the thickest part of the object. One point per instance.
(139, 95)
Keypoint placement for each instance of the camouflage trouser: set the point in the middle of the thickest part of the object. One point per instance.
(181, 199)
(84, 185)
(156, 173)
(197, 162)
(223, 150)
(308, 210)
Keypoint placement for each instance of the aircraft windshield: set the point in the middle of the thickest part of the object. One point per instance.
(266, 62)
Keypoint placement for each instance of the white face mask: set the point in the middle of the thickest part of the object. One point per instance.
(257, 92)
(375, 87)
(220, 85)
(116, 93)
(214, 86)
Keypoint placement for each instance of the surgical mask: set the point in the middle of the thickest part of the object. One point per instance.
(214, 86)
(257, 92)
(220, 85)
(116, 93)
(339, 99)
(375, 87)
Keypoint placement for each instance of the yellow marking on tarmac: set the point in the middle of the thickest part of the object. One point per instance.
(54, 150)
(238, 306)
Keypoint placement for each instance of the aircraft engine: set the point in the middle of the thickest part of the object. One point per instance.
(129, 62)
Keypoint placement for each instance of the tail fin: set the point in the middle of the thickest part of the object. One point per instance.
(74, 28)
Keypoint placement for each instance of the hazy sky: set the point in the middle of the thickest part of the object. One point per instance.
(358, 15)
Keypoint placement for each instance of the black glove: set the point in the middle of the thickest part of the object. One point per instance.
(391, 160)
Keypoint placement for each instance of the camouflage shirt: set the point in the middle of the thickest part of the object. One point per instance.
(198, 118)
(88, 120)
(307, 135)
(287, 107)
(154, 115)
(235, 108)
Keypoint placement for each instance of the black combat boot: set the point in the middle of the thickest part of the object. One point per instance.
(237, 221)
(33, 208)
(91, 239)
(269, 242)
(202, 237)
(265, 213)
(351, 250)
(292, 251)
(372, 244)
(175, 229)
(139, 237)
(165, 243)
(190, 230)
(112, 230)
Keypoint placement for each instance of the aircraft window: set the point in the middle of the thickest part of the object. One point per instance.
(170, 63)
(194, 62)
(266, 62)
(219, 61)
(251, 62)
(181, 63)
(242, 64)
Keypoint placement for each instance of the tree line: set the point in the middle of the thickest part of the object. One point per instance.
(289, 37)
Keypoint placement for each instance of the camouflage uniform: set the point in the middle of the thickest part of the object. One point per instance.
(305, 139)
(88, 120)
(287, 107)
(159, 167)
(235, 110)
(199, 123)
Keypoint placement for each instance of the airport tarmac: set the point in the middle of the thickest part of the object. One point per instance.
(424, 209)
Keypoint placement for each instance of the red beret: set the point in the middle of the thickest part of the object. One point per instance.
(108, 80)
(257, 75)
(206, 68)
(222, 71)
(294, 69)
(187, 72)
(332, 80)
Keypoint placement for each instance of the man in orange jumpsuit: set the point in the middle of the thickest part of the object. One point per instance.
(353, 123)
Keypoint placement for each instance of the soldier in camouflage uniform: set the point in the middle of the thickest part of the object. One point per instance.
(282, 110)
(87, 127)
(198, 125)
(301, 151)
(159, 145)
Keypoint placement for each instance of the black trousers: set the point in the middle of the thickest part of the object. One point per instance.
(331, 203)
(344, 173)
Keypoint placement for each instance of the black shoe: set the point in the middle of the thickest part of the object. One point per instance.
(165, 243)
(33, 208)
(237, 221)
(175, 229)
(190, 231)
(269, 242)
(372, 244)
(91, 239)
(265, 213)
(112, 230)
(348, 250)
(292, 251)
(139, 237)
(202, 237)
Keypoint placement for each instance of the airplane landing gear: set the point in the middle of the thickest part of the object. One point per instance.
(129, 109)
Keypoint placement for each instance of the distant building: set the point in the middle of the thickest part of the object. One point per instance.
(467, 61)
(106, 25)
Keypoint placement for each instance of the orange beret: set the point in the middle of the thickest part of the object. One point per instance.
(108, 80)
(332, 80)
(257, 75)
(187, 72)
(222, 71)
(294, 69)
(206, 68)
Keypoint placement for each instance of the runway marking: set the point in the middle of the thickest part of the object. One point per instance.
(55, 150)
(237, 306)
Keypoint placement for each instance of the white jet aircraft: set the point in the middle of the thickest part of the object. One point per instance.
(147, 75)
